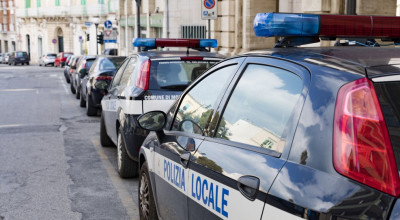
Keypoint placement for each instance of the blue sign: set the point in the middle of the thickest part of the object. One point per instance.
(108, 24)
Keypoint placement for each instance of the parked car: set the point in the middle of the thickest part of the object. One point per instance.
(94, 85)
(148, 80)
(72, 70)
(111, 51)
(47, 59)
(1, 57)
(285, 133)
(82, 68)
(6, 58)
(67, 67)
(61, 58)
(20, 57)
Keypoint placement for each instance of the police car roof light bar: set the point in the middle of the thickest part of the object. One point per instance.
(326, 26)
(163, 42)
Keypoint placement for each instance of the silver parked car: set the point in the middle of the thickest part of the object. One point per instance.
(5, 57)
(47, 59)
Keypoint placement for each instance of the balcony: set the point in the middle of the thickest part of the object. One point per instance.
(62, 11)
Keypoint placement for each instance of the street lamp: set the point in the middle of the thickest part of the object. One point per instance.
(96, 24)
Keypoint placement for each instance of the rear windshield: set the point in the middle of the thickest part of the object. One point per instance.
(388, 95)
(51, 55)
(67, 54)
(89, 63)
(176, 75)
(109, 64)
(22, 54)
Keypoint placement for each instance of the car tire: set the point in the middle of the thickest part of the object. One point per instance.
(91, 110)
(41, 64)
(105, 140)
(72, 88)
(82, 102)
(27, 63)
(127, 168)
(147, 207)
(78, 93)
(67, 79)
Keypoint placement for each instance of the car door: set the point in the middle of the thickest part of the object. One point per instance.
(233, 169)
(184, 134)
(109, 103)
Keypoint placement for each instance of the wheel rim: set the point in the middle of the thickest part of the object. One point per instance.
(119, 149)
(144, 196)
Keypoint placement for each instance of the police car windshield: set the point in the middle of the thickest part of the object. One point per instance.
(176, 74)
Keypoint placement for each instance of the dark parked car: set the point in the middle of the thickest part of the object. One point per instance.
(82, 68)
(20, 57)
(111, 51)
(148, 80)
(72, 70)
(94, 84)
(285, 133)
(61, 58)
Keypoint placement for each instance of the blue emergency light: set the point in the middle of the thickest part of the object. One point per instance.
(326, 25)
(160, 42)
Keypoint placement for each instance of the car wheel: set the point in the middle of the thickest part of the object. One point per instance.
(27, 63)
(127, 168)
(67, 79)
(72, 88)
(41, 64)
(105, 140)
(78, 93)
(147, 207)
(82, 102)
(91, 110)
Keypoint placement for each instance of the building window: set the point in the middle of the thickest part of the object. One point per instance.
(83, 2)
(27, 3)
(57, 2)
(38, 3)
(193, 31)
(100, 1)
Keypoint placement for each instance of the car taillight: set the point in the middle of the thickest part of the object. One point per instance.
(102, 78)
(362, 149)
(142, 80)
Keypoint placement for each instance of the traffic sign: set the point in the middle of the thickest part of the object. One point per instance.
(108, 24)
(209, 9)
(88, 24)
(110, 35)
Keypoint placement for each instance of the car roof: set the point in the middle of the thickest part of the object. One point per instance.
(169, 54)
(371, 60)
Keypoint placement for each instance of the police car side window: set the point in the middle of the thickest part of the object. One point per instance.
(260, 120)
(196, 108)
(118, 75)
(126, 76)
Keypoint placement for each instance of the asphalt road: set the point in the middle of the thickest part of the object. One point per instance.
(52, 165)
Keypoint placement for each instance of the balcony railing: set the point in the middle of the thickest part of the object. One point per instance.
(62, 11)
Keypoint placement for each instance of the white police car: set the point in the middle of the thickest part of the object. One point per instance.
(148, 80)
(285, 133)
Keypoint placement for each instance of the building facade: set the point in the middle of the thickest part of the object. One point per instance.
(8, 37)
(70, 25)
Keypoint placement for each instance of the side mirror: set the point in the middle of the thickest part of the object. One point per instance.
(152, 121)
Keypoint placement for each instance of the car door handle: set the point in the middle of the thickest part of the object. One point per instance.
(248, 186)
(185, 159)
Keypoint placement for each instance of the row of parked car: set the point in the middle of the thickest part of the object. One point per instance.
(14, 58)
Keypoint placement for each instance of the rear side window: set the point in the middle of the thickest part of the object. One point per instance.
(67, 54)
(260, 120)
(177, 74)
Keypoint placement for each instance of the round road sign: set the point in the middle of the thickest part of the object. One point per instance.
(108, 24)
(209, 4)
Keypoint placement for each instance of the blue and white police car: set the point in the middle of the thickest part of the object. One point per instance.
(285, 133)
(148, 80)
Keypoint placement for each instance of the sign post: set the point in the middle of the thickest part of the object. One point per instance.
(209, 11)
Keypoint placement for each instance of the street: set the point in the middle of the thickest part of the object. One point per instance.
(52, 165)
